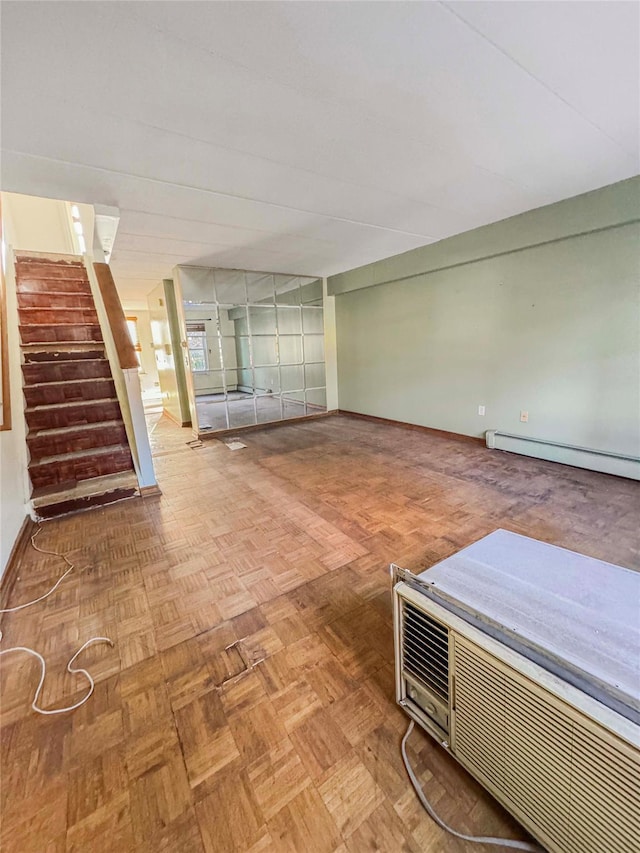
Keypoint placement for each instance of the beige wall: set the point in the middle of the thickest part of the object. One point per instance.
(167, 352)
(43, 224)
(14, 484)
(149, 381)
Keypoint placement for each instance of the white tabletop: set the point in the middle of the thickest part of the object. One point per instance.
(579, 611)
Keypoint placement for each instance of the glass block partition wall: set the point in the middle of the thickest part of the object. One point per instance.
(255, 344)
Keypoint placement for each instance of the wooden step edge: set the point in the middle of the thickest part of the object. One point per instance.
(51, 493)
(48, 292)
(66, 360)
(52, 308)
(26, 344)
(90, 302)
(52, 348)
(88, 488)
(102, 450)
(47, 407)
(82, 321)
(50, 257)
(71, 506)
(33, 278)
(53, 325)
(55, 382)
(47, 287)
(67, 430)
(24, 285)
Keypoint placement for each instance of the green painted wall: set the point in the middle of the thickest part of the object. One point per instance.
(552, 328)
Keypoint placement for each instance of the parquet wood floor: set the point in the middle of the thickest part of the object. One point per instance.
(275, 557)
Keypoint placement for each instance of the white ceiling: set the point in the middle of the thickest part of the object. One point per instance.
(313, 137)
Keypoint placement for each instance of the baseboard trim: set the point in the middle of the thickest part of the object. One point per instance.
(224, 433)
(150, 491)
(604, 461)
(10, 575)
(438, 433)
(175, 420)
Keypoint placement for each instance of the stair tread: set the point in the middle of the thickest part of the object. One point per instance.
(29, 275)
(50, 293)
(79, 454)
(55, 294)
(62, 343)
(68, 430)
(25, 282)
(54, 307)
(57, 325)
(49, 406)
(73, 286)
(26, 320)
(84, 488)
(58, 343)
(68, 262)
(61, 264)
(31, 256)
(78, 354)
(67, 381)
(68, 361)
(26, 267)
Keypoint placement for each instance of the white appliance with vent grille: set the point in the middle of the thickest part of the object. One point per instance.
(523, 661)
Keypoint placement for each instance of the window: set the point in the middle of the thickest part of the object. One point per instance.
(132, 326)
(197, 343)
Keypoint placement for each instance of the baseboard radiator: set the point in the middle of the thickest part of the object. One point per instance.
(580, 457)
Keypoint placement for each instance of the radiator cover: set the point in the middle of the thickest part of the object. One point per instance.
(619, 464)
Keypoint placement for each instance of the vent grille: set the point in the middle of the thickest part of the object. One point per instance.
(577, 786)
(425, 651)
(605, 801)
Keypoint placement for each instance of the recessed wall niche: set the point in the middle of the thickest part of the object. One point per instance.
(255, 346)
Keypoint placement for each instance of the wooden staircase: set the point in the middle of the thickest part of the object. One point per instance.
(78, 448)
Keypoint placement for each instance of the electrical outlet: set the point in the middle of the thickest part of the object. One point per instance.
(481, 410)
(524, 416)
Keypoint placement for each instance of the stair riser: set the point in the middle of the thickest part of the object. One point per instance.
(59, 333)
(84, 468)
(57, 316)
(69, 392)
(55, 356)
(48, 371)
(79, 504)
(84, 413)
(51, 299)
(34, 269)
(74, 441)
